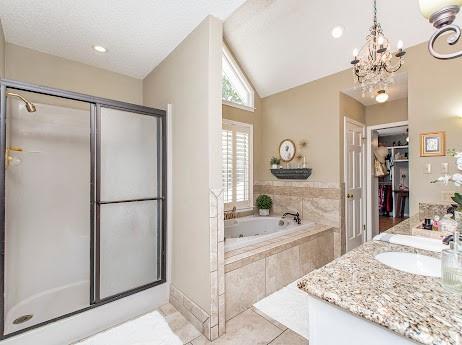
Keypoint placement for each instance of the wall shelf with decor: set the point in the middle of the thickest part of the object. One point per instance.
(292, 173)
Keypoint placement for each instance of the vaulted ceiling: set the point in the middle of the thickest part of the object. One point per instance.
(138, 34)
(284, 43)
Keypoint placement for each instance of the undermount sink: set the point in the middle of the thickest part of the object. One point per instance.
(411, 263)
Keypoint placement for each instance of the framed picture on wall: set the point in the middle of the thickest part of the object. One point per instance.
(432, 144)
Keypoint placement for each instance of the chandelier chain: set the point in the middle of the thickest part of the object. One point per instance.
(375, 13)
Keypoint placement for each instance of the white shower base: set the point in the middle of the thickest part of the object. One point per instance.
(48, 304)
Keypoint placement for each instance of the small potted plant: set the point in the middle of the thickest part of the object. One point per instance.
(264, 203)
(275, 162)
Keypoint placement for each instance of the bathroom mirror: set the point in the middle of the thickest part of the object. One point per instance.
(287, 150)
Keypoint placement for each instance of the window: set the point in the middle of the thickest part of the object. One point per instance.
(236, 89)
(237, 164)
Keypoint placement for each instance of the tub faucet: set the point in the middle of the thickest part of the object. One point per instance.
(295, 215)
(448, 239)
(231, 214)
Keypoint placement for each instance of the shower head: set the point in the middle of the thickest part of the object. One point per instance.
(29, 105)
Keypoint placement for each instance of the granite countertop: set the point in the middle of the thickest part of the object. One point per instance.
(413, 306)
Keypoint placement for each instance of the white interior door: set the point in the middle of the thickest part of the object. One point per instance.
(374, 200)
(354, 183)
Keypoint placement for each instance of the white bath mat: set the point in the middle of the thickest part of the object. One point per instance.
(149, 329)
(288, 306)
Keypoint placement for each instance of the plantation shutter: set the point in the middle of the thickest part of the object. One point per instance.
(237, 164)
(227, 144)
(242, 166)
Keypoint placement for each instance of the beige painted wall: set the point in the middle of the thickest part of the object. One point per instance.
(387, 112)
(435, 101)
(313, 111)
(308, 112)
(195, 94)
(2, 51)
(34, 67)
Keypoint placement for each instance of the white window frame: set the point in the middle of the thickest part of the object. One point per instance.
(242, 205)
(235, 66)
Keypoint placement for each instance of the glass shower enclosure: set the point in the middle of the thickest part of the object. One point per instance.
(82, 203)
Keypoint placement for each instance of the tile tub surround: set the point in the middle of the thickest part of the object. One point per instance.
(413, 306)
(316, 201)
(254, 272)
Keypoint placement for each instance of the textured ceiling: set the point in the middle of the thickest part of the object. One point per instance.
(284, 43)
(138, 34)
(397, 90)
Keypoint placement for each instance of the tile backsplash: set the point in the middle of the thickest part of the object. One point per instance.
(319, 202)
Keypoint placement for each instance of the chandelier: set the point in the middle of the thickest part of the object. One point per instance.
(375, 64)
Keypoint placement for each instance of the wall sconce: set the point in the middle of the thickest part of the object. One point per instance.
(442, 13)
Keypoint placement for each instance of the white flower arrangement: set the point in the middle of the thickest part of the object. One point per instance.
(455, 178)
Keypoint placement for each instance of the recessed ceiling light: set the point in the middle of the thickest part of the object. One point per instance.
(99, 49)
(337, 32)
(381, 97)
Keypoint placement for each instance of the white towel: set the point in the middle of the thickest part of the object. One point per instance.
(149, 329)
(430, 244)
(288, 306)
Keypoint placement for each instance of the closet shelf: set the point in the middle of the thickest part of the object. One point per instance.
(398, 147)
(401, 160)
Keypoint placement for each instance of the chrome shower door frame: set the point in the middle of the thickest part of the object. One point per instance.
(96, 103)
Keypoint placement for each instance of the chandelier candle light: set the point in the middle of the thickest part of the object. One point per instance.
(375, 64)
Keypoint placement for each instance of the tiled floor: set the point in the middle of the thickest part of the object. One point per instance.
(247, 328)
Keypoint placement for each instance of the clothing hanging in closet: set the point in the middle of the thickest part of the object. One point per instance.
(385, 199)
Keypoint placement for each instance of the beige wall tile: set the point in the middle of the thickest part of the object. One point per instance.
(221, 268)
(214, 332)
(282, 204)
(282, 269)
(214, 299)
(244, 287)
(317, 252)
(221, 315)
(185, 330)
(322, 211)
(337, 244)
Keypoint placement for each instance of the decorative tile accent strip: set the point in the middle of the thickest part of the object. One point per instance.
(190, 310)
(217, 273)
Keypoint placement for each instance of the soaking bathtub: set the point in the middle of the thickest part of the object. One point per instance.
(246, 231)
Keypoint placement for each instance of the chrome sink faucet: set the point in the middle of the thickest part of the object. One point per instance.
(295, 215)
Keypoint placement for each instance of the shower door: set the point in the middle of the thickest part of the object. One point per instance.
(128, 201)
(82, 203)
(47, 210)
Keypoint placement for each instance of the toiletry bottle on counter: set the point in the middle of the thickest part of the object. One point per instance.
(436, 223)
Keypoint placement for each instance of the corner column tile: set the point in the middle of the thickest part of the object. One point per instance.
(215, 325)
